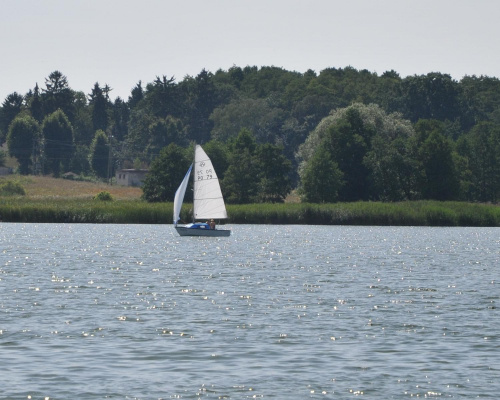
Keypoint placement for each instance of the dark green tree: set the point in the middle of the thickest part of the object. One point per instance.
(442, 180)
(35, 105)
(219, 155)
(11, 106)
(483, 153)
(59, 145)
(80, 161)
(241, 180)
(431, 96)
(255, 115)
(440, 177)
(321, 179)
(120, 118)
(98, 103)
(392, 160)
(166, 173)
(349, 141)
(22, 140)
(163, 97)
(164, 131)
(82, 125)
(99, 154)
(58, 95)
(274, 180)
(136, 95)
(480, 96)
(202, 99)
(394, 169)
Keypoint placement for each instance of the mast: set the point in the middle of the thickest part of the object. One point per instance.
(194, 173)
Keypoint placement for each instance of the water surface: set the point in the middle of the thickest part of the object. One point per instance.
(282, 312)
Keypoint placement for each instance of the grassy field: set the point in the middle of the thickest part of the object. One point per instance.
(44, 187)
(60, 200)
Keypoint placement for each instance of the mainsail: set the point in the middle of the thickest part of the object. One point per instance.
(179, 195)
(208, 200)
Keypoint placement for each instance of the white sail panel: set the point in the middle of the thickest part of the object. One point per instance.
(179, 195)
(208, 200)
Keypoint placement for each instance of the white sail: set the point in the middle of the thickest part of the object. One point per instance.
(208, 201)
(179, 195)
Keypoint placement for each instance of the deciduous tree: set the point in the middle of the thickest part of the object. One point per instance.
(321, 178)
(22, 138)
(166, 173)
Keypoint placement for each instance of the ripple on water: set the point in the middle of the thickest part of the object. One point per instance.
(132, 311)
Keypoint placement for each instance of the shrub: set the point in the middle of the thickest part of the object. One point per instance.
(10, 188)
(103, 196)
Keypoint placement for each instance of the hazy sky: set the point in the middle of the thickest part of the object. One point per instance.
(120, 42)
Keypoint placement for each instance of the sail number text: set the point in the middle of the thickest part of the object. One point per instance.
(204, 174)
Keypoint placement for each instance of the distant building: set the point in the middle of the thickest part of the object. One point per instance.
(130, 177)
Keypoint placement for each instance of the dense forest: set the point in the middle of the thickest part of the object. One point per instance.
(337, 135)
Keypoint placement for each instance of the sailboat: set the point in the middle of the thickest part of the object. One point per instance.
(208, 203)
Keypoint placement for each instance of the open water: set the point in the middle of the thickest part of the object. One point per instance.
(281, 312)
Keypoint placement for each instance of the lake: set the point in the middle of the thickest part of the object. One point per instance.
(282, 312)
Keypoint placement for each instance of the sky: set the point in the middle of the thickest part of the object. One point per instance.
(122, 42)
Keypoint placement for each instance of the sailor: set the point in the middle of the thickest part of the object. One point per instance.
(212, 224)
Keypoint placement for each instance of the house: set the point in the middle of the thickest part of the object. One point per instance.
(130, 177)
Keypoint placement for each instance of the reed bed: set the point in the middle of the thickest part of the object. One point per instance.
(417, 213)
(84, 211)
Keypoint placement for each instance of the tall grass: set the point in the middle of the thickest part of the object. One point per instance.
(419, 213)
(84, 211)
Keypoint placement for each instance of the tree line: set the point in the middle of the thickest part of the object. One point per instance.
(337, 135)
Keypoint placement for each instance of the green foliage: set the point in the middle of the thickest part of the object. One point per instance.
(166, 173)
(59, 146)
(11, 107)
(431, 96)
(219, 155)
(99, 154)
(11, 188)
(58, 95)
(163, 131)
(321, 178)
(22, 137)
(241, 178)
(98, 102)
(347, 135)
(482, 149)
(256, 115)
(103, 196)
(377, 152)
(274, 183)
(255, 172)
(441, 174)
